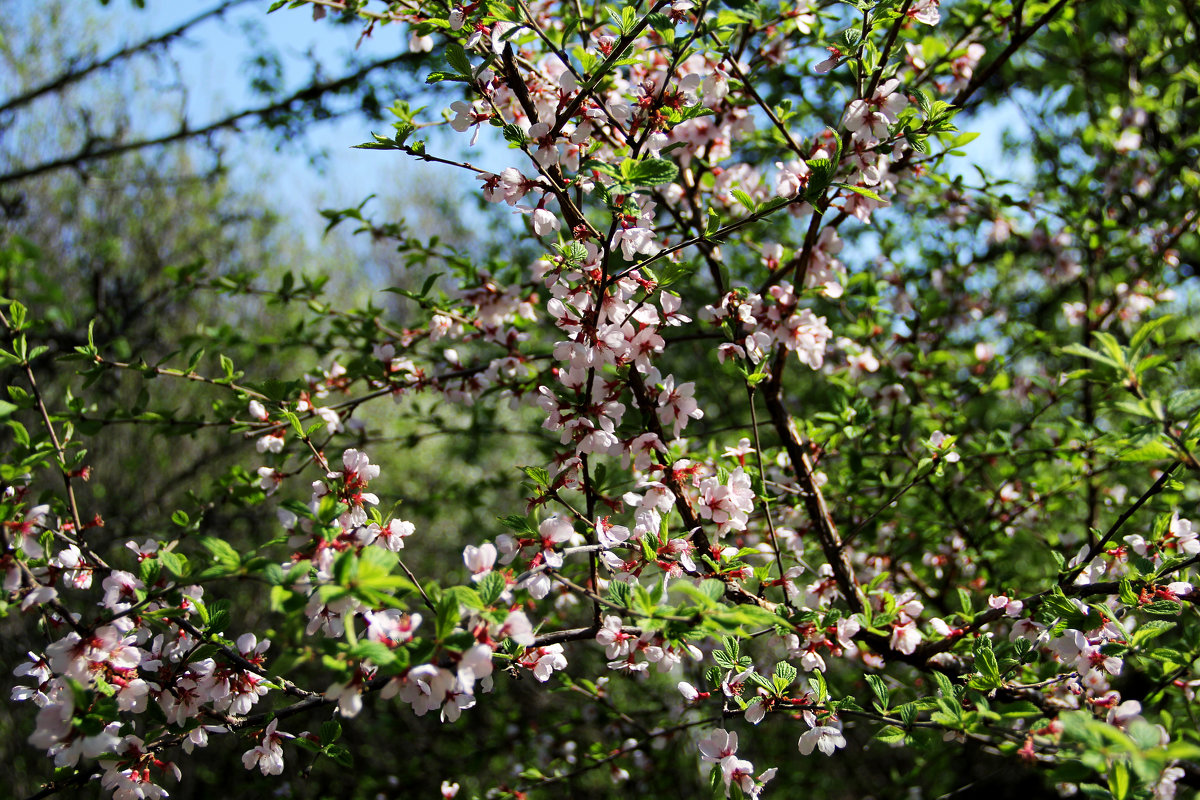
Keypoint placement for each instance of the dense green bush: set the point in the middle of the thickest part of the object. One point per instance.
(788, 440)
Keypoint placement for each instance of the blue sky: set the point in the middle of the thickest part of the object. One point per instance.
(214, 59)
(214, 62)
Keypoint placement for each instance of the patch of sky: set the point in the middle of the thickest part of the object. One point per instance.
(226, 60)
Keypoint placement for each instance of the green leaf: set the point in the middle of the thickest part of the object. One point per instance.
(149, 570)
(518, 523)
(674, 272)
(945, 685)
(514, 135)
(301, 510)
(447, 616)
(822, 170)
(376, 652)
(985, 662)
(17, 312)
(713, 224)
(491, 586)
(746, 200)
(465, 596)
(881, 691)
(964, 139)
(1170, 655)
(340, 755)
(218, 618)
(1118, 780)
(224, 554)
(652, 172)
(964, 602)
(618, 593)
(890, 734)
(785, 675)
(821, 689)
(273, 574)
(345, 568)
(331, 731)
(439, 76)
(642, 602)
(456, 57)
(1021, 708)
(173, 563)
(1155, 450)
(1110, 345)
(1150, 629)
(1077, 349)
(677, 115)
(1163, 608)
(859, 190)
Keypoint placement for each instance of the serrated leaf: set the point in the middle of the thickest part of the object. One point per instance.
(331, 731)
(1170, 655)
(456, 57)
(618, 593)
(746, 200)
(447, 617)
(490, 587)
(1163, 608)
(1150, 629)
(516, 522)
(945, 685)
(881, 691)
(890, 734)
(652, 172)
(785, 675)
(340, 755)
(859, 190)
(172, 562)
(376, 652)
(822, 688)
(438, 76)
(221, 551)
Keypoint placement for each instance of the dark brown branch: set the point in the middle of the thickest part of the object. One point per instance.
(984, 75)
(1095, 549)
(814, 501)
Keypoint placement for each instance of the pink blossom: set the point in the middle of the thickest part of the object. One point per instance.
(268, 755)
(905, 638)
(826, 738)
(870, 119)
(544, 222)
(479, 560)
(926, 12)
(677, 405)
(549, 659)
(518, 627)
(729, 505)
